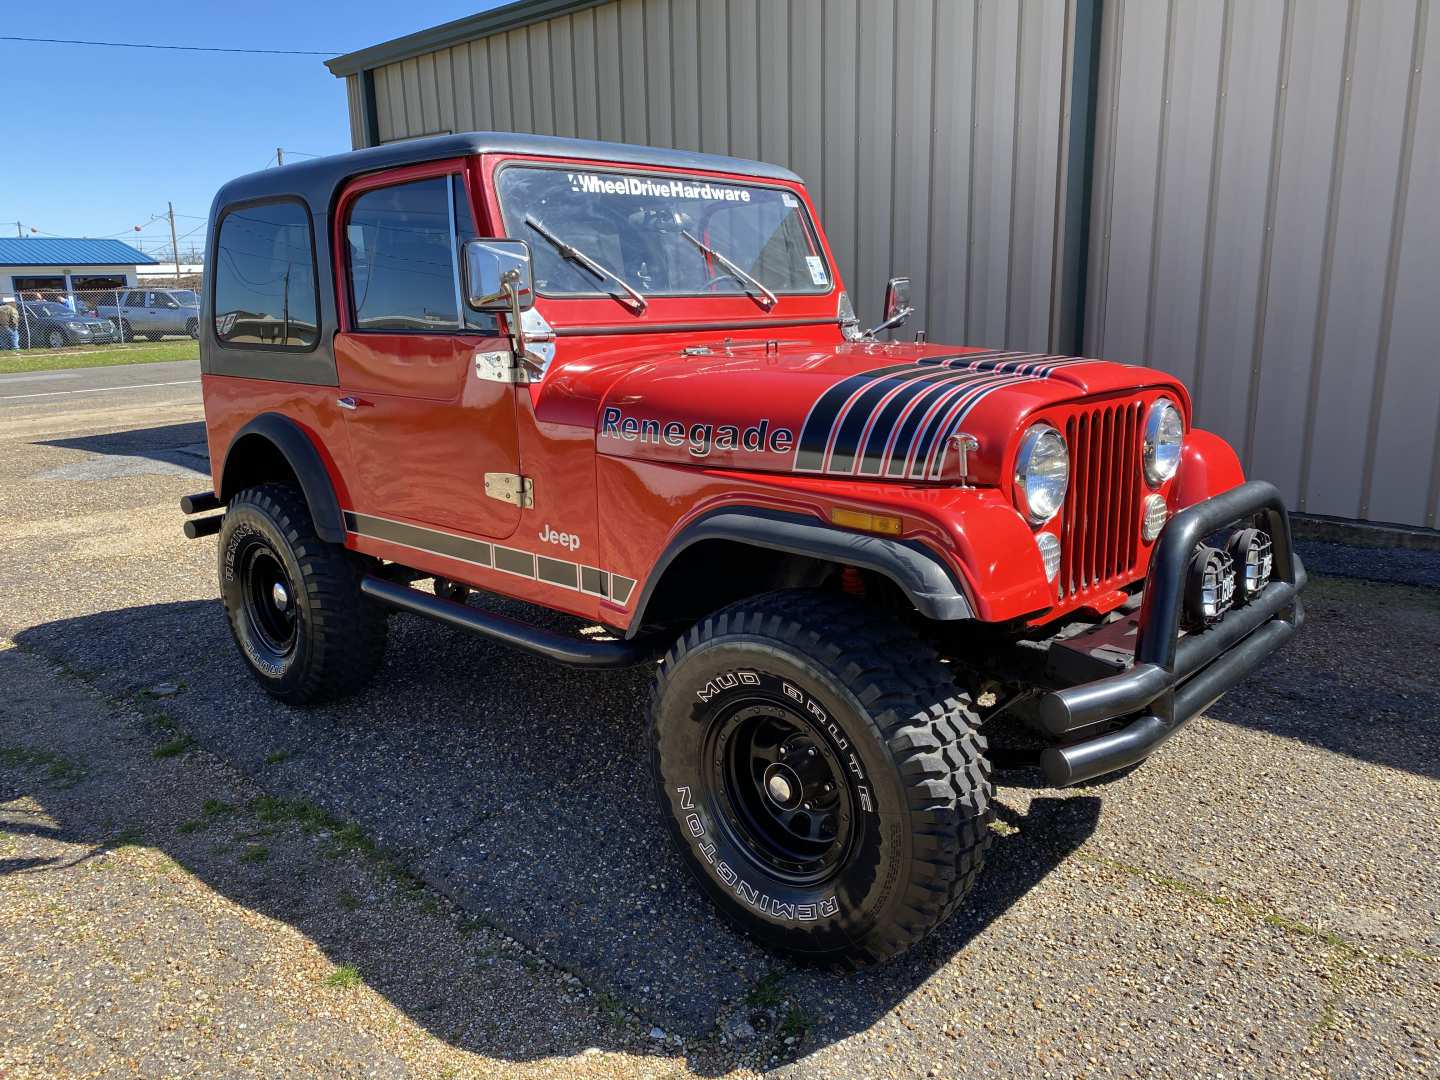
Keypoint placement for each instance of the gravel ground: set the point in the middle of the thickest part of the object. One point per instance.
(1261, 898)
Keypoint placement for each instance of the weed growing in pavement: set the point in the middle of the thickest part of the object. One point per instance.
(796, 1024)
(345, 977)
(275, 757)
(174, 747)
(612, 1009)
(191, 826)
(130, 836)
(59, 769)
(766, 993)
(255, 853)
(348, 900)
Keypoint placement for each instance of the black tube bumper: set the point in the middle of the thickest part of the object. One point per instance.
(1174, 677)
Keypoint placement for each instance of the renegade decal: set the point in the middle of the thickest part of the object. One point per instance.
(702, 439)
(896, 421)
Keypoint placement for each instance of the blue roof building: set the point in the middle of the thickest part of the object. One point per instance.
(53, 264)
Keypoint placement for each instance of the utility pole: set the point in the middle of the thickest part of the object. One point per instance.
(279, 155)
(174, 244)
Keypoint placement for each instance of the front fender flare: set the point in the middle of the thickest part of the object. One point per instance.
(303, 457)
(914, 568)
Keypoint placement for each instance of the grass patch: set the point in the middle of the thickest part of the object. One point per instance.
(345, 977)
(255, 853)
(348, 900)
(275, 757)
(796, 1024)
(59, 769)
(130, 836)
(174, 747)
(86, 356)
(766, 992)
(194, 825)
(612, 1009)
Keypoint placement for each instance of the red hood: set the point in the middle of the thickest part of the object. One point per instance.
(854, 409)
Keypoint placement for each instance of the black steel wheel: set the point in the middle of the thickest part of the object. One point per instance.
(55, 339)
(821, 775)
(306, 632)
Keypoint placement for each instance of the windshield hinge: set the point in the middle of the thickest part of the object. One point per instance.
(511, 488)
(500, 366)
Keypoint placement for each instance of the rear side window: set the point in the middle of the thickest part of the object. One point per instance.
(403, 271)
(265, 278)
(135, 299)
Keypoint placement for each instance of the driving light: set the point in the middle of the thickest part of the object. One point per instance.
(1164, 432)
(1209, 587)
(1250, 550)
(1156, 514)
(1049, 545)
(1042, 473)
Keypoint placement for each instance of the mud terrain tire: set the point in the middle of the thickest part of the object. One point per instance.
(821, 775)
(306, 632)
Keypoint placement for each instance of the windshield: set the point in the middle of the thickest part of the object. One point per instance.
(634, 226)
(48, 308)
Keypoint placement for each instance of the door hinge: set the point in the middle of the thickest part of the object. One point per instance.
(511, 488)
(500, 366)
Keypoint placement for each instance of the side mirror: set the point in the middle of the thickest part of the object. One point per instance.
(897, 305)
(497, 275)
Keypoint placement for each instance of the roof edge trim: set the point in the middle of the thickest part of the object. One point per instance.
(472, 27)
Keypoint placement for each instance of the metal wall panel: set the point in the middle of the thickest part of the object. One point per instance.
(1262, 226)
(929, 130)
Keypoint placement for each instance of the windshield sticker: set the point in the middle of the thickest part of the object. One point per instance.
(598, 184)
(790, 200)
(817, 268)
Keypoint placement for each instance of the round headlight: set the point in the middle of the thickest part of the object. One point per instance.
(1042, 473)
(1164, 432)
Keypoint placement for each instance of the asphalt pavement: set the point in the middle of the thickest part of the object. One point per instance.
(1263, 897)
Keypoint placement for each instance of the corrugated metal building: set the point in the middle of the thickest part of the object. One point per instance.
(1240, 191)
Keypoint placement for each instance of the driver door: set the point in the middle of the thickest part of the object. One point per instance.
(424, 426)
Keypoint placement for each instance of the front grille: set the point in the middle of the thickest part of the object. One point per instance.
(1100, 522)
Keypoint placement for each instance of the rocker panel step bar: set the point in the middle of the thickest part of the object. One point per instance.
(518, 635)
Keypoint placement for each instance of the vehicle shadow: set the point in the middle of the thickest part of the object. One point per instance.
(180, 445)
(520, 791)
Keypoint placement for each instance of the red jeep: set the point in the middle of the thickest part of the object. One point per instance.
(627, 384)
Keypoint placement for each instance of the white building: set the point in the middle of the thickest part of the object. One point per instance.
(65, 264)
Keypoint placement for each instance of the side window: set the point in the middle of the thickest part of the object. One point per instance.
(265, 277)
(135, 299)
(163, 300)
(403, 270)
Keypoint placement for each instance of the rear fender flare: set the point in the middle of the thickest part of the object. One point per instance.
(303, 456)
(915, 569)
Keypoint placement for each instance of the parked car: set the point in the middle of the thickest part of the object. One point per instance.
(155, 313)
(48, 324)
(850, 556)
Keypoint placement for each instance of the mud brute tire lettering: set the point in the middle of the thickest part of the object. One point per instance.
(306, 632)
(820, 774)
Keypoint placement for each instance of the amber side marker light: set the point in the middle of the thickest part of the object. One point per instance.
(884, 524)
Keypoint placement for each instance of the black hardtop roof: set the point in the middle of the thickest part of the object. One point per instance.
(316, 179)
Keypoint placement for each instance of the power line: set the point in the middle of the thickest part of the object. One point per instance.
(172, 48)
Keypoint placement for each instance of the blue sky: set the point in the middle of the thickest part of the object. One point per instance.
(94, 140)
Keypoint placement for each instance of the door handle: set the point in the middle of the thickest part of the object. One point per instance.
(347, 403)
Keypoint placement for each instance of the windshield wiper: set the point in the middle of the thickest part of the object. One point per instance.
(740, 275)
(575, 255)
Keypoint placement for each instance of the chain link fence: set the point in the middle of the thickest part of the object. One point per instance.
(115, 317)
